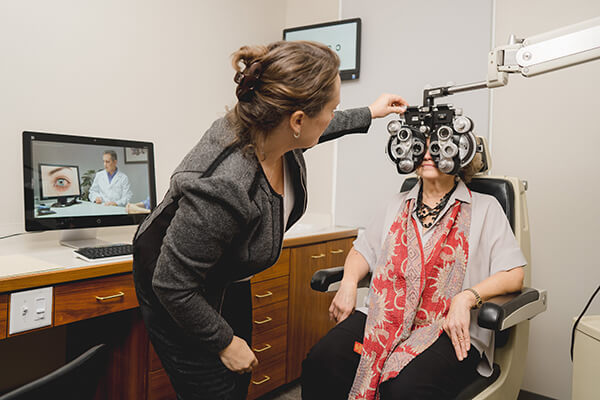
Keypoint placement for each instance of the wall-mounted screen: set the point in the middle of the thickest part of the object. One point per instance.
(341, 36)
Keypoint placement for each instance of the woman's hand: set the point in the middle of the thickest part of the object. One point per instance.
(387, 104)
(344, 302)
(238, 357)
(457, 323)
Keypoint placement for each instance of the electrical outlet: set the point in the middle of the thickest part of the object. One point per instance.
(30, 309)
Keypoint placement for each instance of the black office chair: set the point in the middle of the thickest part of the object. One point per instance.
(507, 315)
(76, 380)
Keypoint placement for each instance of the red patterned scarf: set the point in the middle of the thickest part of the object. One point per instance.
(411, 294)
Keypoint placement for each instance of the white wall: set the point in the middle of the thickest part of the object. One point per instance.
(320, 159)
(545, 130)
(152, 70)
(406, 46)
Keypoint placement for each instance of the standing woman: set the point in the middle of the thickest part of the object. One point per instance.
(229, 203)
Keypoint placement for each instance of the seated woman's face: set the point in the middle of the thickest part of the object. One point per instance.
(427, 169)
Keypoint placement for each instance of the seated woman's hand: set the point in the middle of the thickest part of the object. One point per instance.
(344, 302)
(238, 357)
(457, 323)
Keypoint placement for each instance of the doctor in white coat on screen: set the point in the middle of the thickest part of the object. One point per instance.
(111, 186)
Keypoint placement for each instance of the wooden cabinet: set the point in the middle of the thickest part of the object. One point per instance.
(3, 315)
(269, 326)
(98, 304)
(308, 309)
(159, 385)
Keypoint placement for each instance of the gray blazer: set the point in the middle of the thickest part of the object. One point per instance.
(219, 222)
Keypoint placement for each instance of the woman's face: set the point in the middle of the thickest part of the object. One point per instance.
(427, 169)
(313, 128)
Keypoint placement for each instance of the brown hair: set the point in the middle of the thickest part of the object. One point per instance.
(467, 172)
(285, 77)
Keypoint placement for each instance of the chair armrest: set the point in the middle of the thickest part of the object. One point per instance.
(322, 279)
(502, 312)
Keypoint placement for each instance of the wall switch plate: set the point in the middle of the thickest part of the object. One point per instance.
(30, 309)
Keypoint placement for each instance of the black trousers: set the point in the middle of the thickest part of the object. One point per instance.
(194, 373)
(329, 369)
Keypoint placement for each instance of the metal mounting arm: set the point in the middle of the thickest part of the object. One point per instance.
(560, 48)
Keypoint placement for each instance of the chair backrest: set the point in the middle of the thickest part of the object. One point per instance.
(501, 189)
(77, 379)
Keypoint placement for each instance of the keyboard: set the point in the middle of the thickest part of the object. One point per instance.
(113, 252)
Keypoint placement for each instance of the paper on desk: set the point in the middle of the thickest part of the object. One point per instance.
(18, 264)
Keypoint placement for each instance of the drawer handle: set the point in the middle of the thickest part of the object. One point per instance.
(265, 379)
(319, 256)
(114, 296)
(260, 296)
(267, 347)
(338, 251)
(264, 321)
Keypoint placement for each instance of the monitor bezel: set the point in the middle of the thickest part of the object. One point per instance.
(33, 224)
(346, 74)
(42, 197)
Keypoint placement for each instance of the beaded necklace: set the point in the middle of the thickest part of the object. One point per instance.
(424, 211)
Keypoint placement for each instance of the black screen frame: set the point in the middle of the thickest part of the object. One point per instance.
(33, 224)
(346, 74)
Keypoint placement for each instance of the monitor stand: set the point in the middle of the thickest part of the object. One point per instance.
(64, 202)
(78, 238)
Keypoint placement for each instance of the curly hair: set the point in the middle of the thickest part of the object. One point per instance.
(296, 75)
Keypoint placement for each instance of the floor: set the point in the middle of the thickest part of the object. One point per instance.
(291, 391)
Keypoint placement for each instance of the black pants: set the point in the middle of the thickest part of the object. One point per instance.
(194, 373)
(328, 371)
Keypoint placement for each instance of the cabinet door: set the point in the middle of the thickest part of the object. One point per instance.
(308, 313)
(337, 251)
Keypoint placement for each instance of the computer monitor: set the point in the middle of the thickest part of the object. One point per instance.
(85, 182)
(341, 36)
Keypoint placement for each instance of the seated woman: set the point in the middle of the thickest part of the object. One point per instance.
(435, 253)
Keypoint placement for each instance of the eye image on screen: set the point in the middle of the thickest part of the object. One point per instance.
(58, 181)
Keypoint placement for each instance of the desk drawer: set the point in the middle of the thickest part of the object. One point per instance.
(281, 268)
(269, 317)
(268, 376)
(154, 361)
(269, 292)
(91, 298)
(268, 345)
(3, 315)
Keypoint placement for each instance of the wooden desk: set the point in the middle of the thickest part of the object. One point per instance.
(281, 296)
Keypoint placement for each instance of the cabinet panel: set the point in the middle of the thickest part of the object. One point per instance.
(159, 386)
(3, 315)
(271, 291)
(281, 268)
(91, 298)
(309, 310)
(269, 317)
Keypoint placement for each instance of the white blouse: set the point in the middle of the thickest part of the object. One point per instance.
(492, 248)
(288, 194)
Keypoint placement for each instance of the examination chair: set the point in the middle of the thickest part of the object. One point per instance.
(507, 315)
(76, 380)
